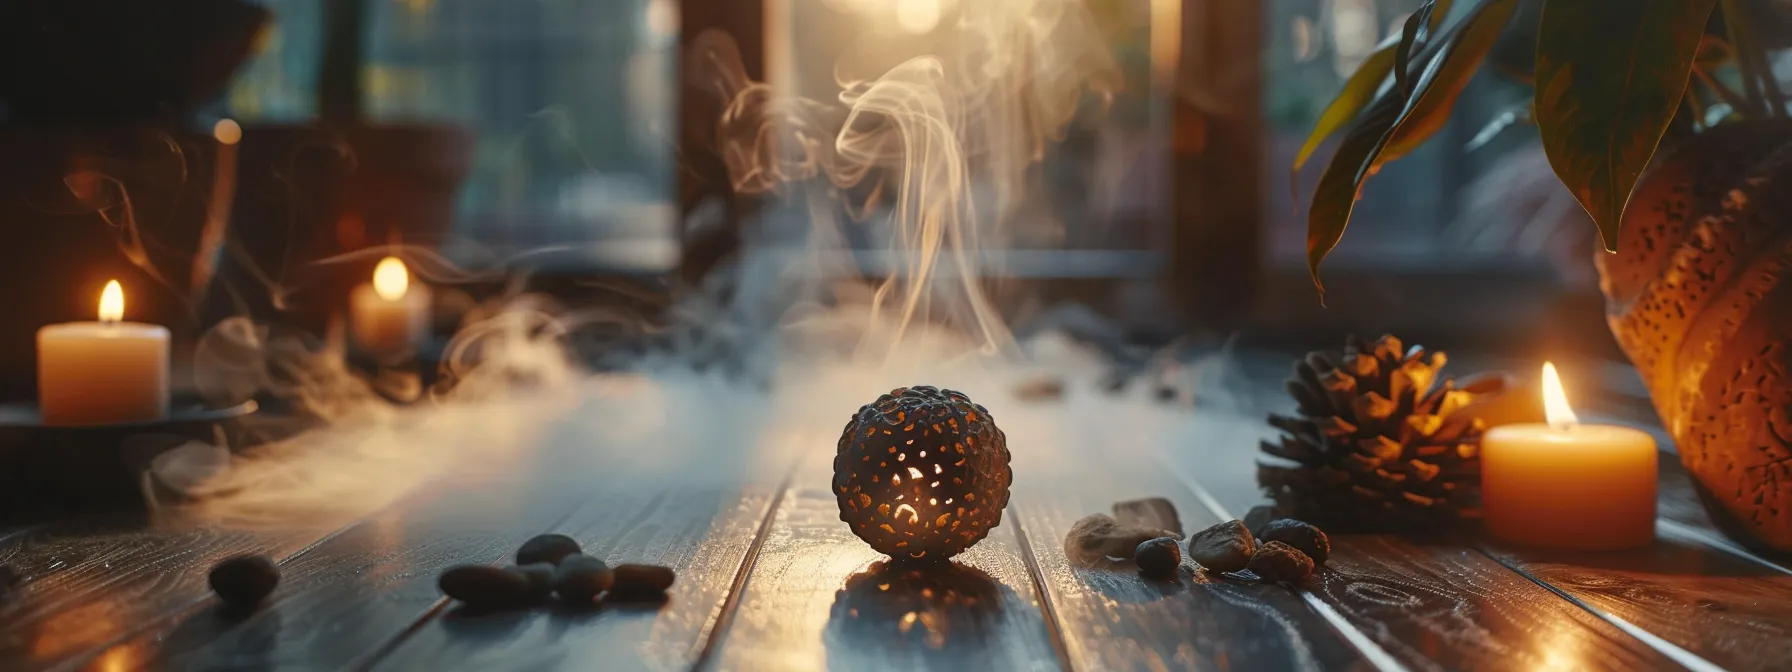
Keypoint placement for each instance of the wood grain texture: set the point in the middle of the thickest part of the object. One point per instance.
(1114, 619)
(1431, 605)
(819, 598)
(343, 599)
(702, 532)
(1729, 611)
(1694, 588)
(90, 585)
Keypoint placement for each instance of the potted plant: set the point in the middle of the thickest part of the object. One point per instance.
(1663, 119)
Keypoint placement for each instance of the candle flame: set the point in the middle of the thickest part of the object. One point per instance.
(112, 302)
(1555, 400)
(227, 132)
(390, 279)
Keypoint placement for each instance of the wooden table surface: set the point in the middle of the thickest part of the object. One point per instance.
(770, 579)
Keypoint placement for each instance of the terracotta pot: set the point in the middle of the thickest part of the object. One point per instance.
(1696, 298)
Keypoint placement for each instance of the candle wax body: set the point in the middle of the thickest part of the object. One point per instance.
(95, 373)
(383, 327)
(1586, 487)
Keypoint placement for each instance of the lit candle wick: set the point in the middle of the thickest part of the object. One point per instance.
(1555, 400)
(112, 303)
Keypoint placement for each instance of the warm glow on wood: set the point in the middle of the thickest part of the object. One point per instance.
(1555, 400)
(112, 302)
(390, 279)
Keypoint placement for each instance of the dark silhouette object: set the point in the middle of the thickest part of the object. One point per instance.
(86, 62)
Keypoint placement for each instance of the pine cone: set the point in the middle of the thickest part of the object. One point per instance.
(1376, 444)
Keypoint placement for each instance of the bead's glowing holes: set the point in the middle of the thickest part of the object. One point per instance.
(936, 484)
(948, 500)
(902, 457)
(933, 500)
(937, 470)
(913, 516)
(895, 479)
(923, 453)
(911, 442)
(914, 473)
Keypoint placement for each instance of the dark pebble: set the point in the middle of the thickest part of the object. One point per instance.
(548, 548)
(580, 578)
(1226, 547)
(641, 581)
(1276, 561)
(10, 578)
(1159, 557)
(244, 580)
(1309, 539)
(1258, 518)
(540, 576)
(486, 587)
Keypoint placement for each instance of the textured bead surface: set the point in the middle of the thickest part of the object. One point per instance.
(922, 473)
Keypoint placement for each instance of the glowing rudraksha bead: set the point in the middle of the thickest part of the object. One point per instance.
(922, 473)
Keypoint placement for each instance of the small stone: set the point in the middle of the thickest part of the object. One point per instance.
(1226, 547)
(580, 578)
(1159, 557)
(10, 578)
(1100, 536)
(1258, 518)
(548, 548)
(243, 581)
(1276, 561)
(641, 581)
(540, 576)
(485, 586)
(1303, 536)
(1152, 512)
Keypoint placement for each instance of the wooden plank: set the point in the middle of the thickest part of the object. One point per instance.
(1433, 605)
(1728, 611)
(341, 600)
(703, 531)
(1695, 588)
(819, 598)
(91, 584)
(1113, 619)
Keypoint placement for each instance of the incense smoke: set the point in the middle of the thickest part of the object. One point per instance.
(896, 192)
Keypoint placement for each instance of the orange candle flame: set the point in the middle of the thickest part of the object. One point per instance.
(390, 279)
(112, 303)
(1555, 400)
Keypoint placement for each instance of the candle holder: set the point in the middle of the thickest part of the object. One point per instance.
(50, 470)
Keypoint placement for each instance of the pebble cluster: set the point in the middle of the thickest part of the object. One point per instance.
(553, 564)
(1148, 532)
(1283, 550)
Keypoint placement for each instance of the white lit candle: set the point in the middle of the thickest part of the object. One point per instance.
(110, 371)
(1569, 485)
(390, 315)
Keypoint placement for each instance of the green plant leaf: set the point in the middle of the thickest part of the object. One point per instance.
(1410, 36)
(1610, 74)
(1358, 90)
(1450, 60)
(1468, 51)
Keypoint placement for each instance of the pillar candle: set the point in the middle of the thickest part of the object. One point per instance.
(389, 316)
(104, 372)
(1568, 485)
